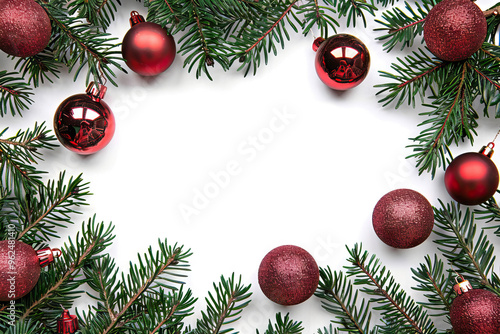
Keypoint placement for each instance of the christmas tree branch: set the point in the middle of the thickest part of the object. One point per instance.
(15, 94)
(99, 13)
(352, 9)
(284, 326)
(316, 15)
(338, 297)
(400, 313)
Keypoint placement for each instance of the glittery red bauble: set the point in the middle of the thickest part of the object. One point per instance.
(147, 48)
(403, 218)
(454, 29)
(471, 178)
(476, 312)
(342, 61)
(288, 275)
(84, 123)
(24, 27)
(19, 269)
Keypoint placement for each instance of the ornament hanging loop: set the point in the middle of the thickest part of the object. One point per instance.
(488, 149)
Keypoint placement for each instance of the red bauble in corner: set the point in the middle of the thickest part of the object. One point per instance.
(84, 123)
(472, 178)
(288, 275)
(403, 218)
(342, 61)
(475, 311)
(20, 267)
(455, 29)
(24, 27)
(147, 48)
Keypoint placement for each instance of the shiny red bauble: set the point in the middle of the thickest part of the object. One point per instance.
(25, 28)
(84, 123)
(147, 48)
(342, 61)
(472, 178)
(475, 311)
(288, 275)
(403, 218)
(455, 29)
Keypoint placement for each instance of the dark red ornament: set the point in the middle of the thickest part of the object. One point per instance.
(475, 311)
(403, 218)
(84, 123)
(288, 275)
(24, 27)
(454, 29)
(20, 267)
(342, 61)
(147, 48)
(67, 323)
(472, 178)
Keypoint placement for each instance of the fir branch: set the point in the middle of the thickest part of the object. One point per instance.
(318, 16)
(400, 313)
(57, 286)
(354, 9)
(340, 299)
(284, 326)
(99, 13)
(224, 307)
(472, 256)
(436, 284)
(26, 327)
(15, 94)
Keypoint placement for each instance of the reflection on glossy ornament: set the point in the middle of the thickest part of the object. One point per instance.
(84, 123)
(147, 48)
(472, 178)
(342, 61)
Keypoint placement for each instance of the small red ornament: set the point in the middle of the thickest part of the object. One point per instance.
(147, 48)
(472, 178)
(84, 123)
(24, 27)
(454, 29)
(67, 323)
(288, 275)
(342, 61)
(20, 267)
(475, 311)
(403, 218)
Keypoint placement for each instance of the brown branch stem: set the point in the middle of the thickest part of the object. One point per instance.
(492, 11)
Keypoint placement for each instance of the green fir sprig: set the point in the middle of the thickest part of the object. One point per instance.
(283, 325)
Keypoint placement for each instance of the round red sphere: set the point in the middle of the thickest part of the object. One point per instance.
(24, 27)
(403, 218)
(342, 61)
(19, 269)
(84, 124)
(476, 312)
(288, 275)
(148, 49)
(455, 29)
(471, 178)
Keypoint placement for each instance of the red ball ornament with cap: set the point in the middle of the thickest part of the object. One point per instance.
(474, 311)
(84, 123)
(472, 178)
(20, 267)
(147, 48)
(342, 61)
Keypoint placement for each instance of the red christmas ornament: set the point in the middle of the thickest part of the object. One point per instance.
(147, 48)
(342, 61)
(20, 267)
(403, 218)
(84, 123)
(24, 27)
(288, 275)
(472, 178)
(475, 311)
(67, 323)
(454, 29)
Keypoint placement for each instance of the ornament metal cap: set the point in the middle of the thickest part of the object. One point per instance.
(462, 287)
(136, 18)
(67, 323)
(487, 150)
(46, 255)
(96, 91)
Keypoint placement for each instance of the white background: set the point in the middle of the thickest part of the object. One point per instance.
(312, 183)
